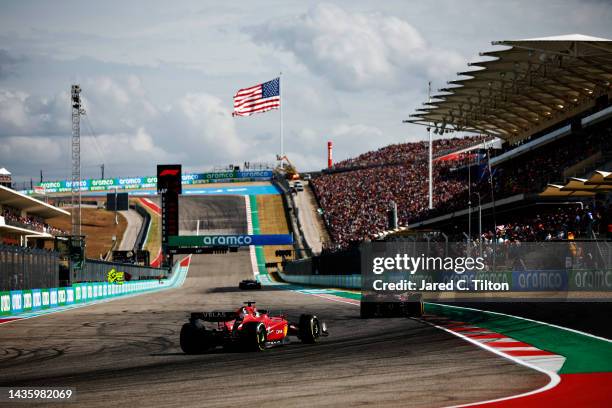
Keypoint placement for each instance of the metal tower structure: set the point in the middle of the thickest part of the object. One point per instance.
(77, 111)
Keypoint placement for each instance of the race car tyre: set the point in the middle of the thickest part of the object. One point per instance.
(367, 310)
(413, 309)
(253, 336)
(193, 340)
(309, 329)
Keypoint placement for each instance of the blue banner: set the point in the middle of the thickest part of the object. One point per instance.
(229, 240)
(36, 299)
(16, 301)
(539, 281)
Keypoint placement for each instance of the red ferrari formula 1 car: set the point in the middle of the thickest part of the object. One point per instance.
(247, 328)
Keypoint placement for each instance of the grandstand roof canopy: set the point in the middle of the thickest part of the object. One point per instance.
(31, 205)
(524, 88)
(599, 182)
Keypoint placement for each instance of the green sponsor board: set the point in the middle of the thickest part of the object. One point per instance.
(77, 292)
(5, 303)
(61, 296)
(45, 298)
(102, 184)
(131, 183)
(26, 299)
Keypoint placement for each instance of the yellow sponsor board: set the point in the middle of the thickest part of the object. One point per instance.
(116, 277)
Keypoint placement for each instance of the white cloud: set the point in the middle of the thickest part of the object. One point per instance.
(163, 76)
(214, 128)
(109, 89)
(30, 150)
(357, 131)
(12, 109)
(24, 114)
(356, 50)
(131, 133)
(348, 140)
(136, 151)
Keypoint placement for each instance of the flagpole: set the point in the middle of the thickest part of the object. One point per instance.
(282, 148)
(430, 153)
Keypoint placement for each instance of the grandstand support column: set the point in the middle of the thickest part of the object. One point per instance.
(469, 207)
(479, 224)
(430, 154)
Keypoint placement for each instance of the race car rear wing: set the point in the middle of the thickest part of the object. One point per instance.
(214, 316)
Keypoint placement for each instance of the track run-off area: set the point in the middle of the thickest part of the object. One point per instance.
(126, 350)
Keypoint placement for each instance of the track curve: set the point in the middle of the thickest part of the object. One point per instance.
(126, 352)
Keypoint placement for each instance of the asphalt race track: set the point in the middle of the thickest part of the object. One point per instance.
(216, 214)
(126, 352)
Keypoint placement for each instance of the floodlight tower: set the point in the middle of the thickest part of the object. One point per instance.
(77, 111)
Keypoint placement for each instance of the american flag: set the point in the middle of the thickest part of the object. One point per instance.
(258, 98)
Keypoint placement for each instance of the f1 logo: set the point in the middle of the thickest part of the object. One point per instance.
(169, 172)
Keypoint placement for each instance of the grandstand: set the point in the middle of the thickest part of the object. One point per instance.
(542, 115)
(24, 263)
(23, 219)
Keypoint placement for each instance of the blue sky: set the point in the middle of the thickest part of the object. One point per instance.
(158, 76)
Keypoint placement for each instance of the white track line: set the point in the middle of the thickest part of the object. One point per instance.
(554, 377)
(252, 251)
(528, 320)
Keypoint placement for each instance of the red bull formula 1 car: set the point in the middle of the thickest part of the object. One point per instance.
(248, 329)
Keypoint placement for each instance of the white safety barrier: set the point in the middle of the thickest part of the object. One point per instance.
(16, 303)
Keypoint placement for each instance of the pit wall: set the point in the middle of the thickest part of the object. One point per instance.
(19, 302)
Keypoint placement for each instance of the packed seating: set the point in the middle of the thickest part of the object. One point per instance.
(30, 222)
(355, 197)
(551, 224)
(535, 170)
(355, 202)
(407, 152)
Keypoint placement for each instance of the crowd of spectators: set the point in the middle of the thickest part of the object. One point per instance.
(355, 201)
(546, 165)
(528, 173)
(30, 222)
(406, 152)
(552, 224)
